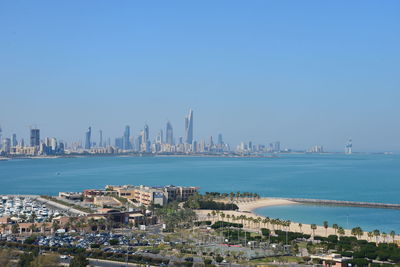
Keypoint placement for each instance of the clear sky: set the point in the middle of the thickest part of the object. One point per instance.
(302, 72)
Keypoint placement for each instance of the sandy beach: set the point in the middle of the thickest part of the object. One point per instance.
(247, 208)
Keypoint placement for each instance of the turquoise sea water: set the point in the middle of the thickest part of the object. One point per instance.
(373, 178)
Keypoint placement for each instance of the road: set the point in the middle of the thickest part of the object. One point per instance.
(103, 263)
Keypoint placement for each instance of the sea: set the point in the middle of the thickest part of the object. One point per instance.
(356, 177)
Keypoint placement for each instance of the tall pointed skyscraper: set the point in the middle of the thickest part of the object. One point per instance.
(169, 134)
(189, 128)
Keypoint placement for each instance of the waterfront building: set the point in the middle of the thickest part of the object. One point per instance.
(6, 145)
(159, 138)
(169, 134)
(126, 140)
(277, 146)
(101, 138)
(88, 135)
(189, 128)
(35, 137)
(348, 147)
(14, 140)
(220, 140)
(119, 142)
(146, 195)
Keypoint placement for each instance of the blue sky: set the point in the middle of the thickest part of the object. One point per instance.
(302, 72)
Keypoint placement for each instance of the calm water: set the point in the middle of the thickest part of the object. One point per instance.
(374, 178)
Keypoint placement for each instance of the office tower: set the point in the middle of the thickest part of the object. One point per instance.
(250, 146)
(169, 134)
(35, 137)
(349, 147)
(127, 143)
(101, 138)
(220, 140)
(277, 146)
(22, 143)
(53, 144)
(159, 138)
(88, 135)
(6, 145)
(211, 142)
(189, 128)
(119, 142)
(146, 133)
(1, 134)
(14, 140)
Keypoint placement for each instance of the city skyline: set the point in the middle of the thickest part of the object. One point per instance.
(263, 71)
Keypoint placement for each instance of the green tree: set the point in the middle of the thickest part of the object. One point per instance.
(326, 225)
(313, 228)
(79, 261)
(341, 231)
(335, 226)
(392, 234)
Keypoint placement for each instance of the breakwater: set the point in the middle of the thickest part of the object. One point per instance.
(345, 203)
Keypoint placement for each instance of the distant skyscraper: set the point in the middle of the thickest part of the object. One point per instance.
(119, 142)
(277, 146)
(88, 136)
(349, 147)
(101, 138)
(127, 143)
(220, 140)
(14, 140)
(1, 134)
(160, 138)
(189, 128)
(6, 145)
(35, 137)
(169, 134)
(146, 134)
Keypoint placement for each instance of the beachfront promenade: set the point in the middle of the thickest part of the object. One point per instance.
(246, 209)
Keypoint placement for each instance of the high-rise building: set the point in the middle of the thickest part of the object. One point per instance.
(189, 128)
(220, 140)
(146, 132)
(35, 137)
(127, 142)
(101, 138)
(88, 136)
(6, 145)
(169, 134)
(349, 147)
(14, 140)
(277, 146)
(160, 138)
(119, 142)
(1, 134)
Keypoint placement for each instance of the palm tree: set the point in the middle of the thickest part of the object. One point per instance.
(341, 231)
(300, 227)
(370, 235)
(335, 226)
(392, 234)
(15, 228)
(357, 231)
(376, 234)
(326, 225)
(384, 235)
(32, 227)
(3, 226)
(313, 228)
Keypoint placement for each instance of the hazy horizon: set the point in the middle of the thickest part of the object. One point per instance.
(303, 73)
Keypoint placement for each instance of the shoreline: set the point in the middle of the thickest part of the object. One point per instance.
(247, 209)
